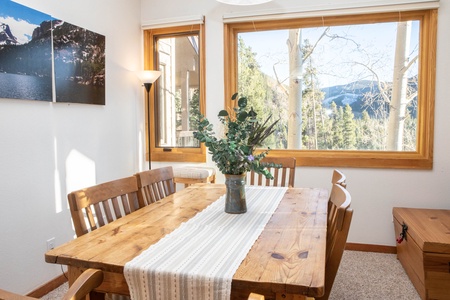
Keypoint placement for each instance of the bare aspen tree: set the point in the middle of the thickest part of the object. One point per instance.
(295, 89)
(399, 100)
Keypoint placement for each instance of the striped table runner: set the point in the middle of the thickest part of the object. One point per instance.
(198, 260)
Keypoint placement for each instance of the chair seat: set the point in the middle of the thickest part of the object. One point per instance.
(193, 174)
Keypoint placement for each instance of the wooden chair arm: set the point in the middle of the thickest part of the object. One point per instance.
(5, 295)
(88, 280)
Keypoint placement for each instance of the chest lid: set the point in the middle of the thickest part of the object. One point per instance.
(430, 228)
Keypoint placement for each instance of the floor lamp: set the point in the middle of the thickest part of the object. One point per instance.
(148, 78)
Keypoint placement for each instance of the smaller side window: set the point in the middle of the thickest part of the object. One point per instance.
(178, 94)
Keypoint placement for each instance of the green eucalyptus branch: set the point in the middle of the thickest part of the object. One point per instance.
(233, 154)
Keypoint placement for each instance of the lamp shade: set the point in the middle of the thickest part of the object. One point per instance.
(244, 2)
(149, 76)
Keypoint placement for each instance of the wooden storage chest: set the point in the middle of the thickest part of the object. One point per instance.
(425, 250)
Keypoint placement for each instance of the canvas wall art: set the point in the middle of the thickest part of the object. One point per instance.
(25, 53)
(79, 64)
(74, 72)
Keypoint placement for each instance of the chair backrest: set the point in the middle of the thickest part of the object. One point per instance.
(101, 204)
(87, 282)
(339, 178)
(154, 185)
(284, 176)
(338, 225)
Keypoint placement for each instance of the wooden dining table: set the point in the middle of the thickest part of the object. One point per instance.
(287, 261)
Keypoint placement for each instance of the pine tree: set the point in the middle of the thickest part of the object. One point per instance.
(264, 99)
(364, 137)
(349, 128)
(313, 133)
(337, 125)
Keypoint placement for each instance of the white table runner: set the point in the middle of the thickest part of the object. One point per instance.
(198, 260)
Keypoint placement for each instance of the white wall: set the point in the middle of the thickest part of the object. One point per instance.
(375, 191)
(49, 149)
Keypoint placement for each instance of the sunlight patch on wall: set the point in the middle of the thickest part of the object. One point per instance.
(80, 171)
(57, 183)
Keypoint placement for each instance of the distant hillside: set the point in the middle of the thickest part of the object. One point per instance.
(353, 95)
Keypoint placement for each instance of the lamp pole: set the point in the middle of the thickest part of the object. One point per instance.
(148, 78)
(148, 86)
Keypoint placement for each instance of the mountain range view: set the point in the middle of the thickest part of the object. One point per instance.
(353, 94)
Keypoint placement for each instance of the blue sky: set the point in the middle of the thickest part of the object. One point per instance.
(21, 12)
(21, 19)
(334, 60)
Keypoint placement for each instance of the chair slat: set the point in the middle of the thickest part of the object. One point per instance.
(116, 206)
(106, 205)
(90, 217)
(99, 208)
(126, 204)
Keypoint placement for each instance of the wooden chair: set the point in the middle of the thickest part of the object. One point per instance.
(89, 280)
(101, 204)
(339, 178)
(154, 185)
(338, 225)
(284, 176)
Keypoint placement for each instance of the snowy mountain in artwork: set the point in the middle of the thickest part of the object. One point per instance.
(6, 36)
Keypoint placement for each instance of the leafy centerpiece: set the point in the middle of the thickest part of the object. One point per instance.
(234, 153)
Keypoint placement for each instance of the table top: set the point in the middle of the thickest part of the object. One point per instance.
(288, 257)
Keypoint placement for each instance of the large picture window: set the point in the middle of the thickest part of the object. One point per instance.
(178, 53)
(354, 91)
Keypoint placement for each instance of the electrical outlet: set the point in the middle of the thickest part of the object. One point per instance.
(51, 243)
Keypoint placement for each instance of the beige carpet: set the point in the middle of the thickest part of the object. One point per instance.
(365, 275)
(361, 276)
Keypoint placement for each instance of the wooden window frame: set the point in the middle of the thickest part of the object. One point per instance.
(173, 154)
(420, 159)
